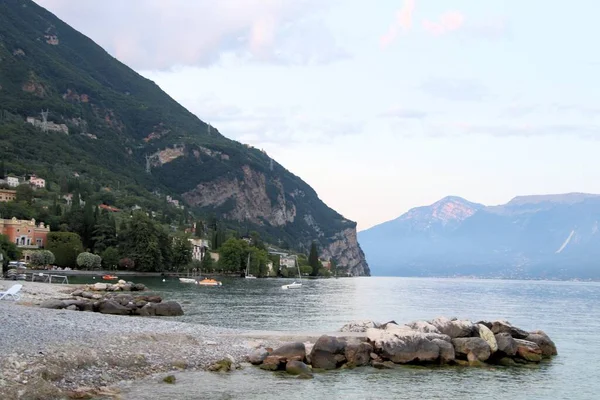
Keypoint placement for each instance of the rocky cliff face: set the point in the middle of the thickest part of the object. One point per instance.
(264, 201)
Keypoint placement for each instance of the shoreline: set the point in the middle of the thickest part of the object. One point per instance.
(49, 353)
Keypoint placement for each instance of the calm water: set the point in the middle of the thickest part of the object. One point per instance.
(568, 311)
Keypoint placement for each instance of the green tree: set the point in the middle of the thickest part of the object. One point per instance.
(333, 267)
(199, 231)
(182, 251)
(89, 260)
(233, 255)
(24, 193)
(105, 233)
(9, 250)
(145, 243)
(42, 258)
(208, 264)
(313, 259)
(110, 258)
(88, 225)
(65, 246)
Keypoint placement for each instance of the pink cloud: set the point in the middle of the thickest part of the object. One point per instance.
(448, 22)
(403, 21)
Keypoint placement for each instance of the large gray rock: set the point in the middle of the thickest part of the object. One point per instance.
(258, 356)
(358, 353)
(326, 351)
(507, 327)
(447, 354)
(506, 344)
(168, 309)
(486, 334)
(528, 351)
(454, 328)
(544, 342)
(53, 303)
(358, 326)
(294, 367)
(100, 286)
(423, 326)
(290, 351)
(123, 299)
(112, 307)
(403, 345)
(475, 345)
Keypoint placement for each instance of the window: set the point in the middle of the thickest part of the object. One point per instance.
(39, 242)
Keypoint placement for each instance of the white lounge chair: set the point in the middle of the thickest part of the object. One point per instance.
(13, 292)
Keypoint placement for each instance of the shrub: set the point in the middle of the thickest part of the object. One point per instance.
(89, 260)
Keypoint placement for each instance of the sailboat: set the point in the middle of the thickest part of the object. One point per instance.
(295, 285)
(248, 274)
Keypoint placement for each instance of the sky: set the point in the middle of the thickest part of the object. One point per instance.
(380, 106)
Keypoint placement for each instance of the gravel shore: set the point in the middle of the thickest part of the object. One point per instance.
(50, 354)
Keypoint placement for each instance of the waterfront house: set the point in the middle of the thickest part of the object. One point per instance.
(7, 195)
(25, 233)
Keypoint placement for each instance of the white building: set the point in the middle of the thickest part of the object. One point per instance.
(37, 181)
(199, 247)
(12, 181)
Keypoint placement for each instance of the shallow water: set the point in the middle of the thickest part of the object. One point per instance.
(567, 311)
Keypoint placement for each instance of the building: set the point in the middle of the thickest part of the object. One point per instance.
(37, 181)
(25, 233)
(199, 248)
(12, 181)
(287, 261)
(108, 208)
(7, 195)
(326, 264)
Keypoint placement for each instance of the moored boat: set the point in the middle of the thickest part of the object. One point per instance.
(209, 282)
(110, 277)
(187, 280)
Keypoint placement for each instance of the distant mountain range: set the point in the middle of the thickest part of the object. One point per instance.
(548, 236)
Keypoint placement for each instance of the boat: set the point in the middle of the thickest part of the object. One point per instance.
(248, 274)
(110, 277)
(295, 285)
(187, 280)
(209, 282)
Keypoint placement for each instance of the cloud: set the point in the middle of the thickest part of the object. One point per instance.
(446, 23)
(492, 28)
(585, 131)
(455, 89)
(402, 22)
(404, 113)
(157, 34)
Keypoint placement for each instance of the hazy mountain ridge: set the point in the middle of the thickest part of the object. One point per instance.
(554, 236)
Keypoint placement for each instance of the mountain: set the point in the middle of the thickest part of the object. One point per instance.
(108, 125)
(552, 236)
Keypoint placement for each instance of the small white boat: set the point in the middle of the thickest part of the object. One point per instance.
(248, 274)
(187, 280)
(294, 285)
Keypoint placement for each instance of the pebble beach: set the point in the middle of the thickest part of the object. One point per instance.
(46, 353)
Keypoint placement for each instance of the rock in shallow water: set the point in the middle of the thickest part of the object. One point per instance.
(544, 342)
(507, 327)
(475, 345)
(258, 356)
(506, 344)
(297, 368)
(453, 328)
(486, 334)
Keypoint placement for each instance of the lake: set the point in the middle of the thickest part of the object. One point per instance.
(567, 311)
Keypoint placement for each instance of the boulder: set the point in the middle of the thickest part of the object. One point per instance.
(404, 345)
(328, 352)
(447, 354)
(100, 286)
(358, 326)
(223, 365)
(168, 309)
(453, 328)
(528, 351)
(126, 287)
(79, 304)
(294, 367)
(71, 308)
(544, 342)
(273, 363)
(506, 344)
(486, 334)
(258, 356)
(507, 327)
(358, 353)
(476, 345)
(290, 351)
(53, 303)
(123, 299)
(138, 287)
(154, 299)
(147, 310)
(87, 295)
(423, 326)
(112, 307)
(77, 293)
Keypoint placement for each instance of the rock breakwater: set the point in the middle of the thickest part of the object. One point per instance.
(441, 341)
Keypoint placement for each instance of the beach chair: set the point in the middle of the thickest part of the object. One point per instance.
(12, 293)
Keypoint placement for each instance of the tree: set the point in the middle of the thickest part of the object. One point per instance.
(126, 263)
(110, 258)
(65, 246)
(105, 233)
(89, 222)
(207, 263)
(233, 255)
(182, 251)
(313, 259)
(146, 243)
(333, 267)
(199, 231)
(9, 250)
(24, 193)
(42, 258)
(89, 261)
